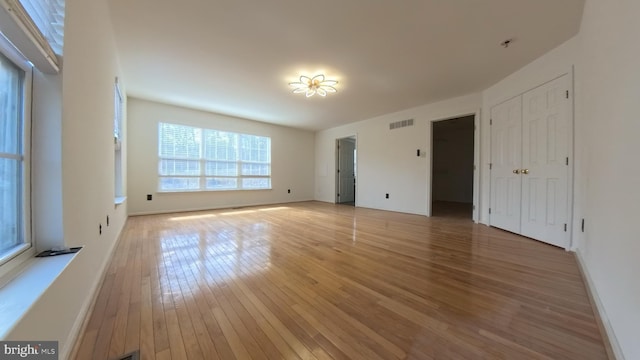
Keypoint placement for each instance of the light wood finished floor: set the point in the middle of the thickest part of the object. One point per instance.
(321, 281)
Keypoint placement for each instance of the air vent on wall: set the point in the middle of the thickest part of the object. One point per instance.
(400, 124)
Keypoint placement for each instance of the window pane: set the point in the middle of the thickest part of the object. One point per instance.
(10, 204)
(179, 183)
(220, 145)
(255, 169)
(222, 183)
(221, 168)
(255, 148)
(11, 157)
(178, 141)
(11, 105)
(256, 183)
(179, 167)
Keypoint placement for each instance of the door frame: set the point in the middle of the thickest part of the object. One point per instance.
(337, 167)
(476, 162)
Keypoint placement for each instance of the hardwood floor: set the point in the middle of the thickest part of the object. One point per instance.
(321, 281)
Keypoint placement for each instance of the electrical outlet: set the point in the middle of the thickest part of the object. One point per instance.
(386, 196)
(149, 197)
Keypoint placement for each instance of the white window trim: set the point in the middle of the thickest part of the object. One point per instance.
(10, 262)
(118, 109)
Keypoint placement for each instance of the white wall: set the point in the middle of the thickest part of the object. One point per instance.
(87, 158)
(610, 89)
(46, 177)
(387, 161)
(291, 160)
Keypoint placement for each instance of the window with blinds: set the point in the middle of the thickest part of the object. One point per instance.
(48, 15)
(195, 159)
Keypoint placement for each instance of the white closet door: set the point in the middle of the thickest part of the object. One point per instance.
(506, 158)
(545, 150)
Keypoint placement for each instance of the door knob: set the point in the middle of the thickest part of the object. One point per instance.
(525, 171)
(516, 171)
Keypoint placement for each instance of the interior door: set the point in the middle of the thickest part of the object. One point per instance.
(545, 151)
(506, 161)
(346, 170)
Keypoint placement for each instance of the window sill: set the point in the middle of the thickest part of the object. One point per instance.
(119, 200)
(207, 190)
(20, 293)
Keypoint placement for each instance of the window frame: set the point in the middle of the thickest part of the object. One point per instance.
(25, 251)
(202, 160)
(118, 114)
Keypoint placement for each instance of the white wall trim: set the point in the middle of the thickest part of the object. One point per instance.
(71, 344)
(610, 335)
(232, 206)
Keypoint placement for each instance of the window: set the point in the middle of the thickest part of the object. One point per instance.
(14, 167)
(194, 159)
(48, 16)
(117, 141)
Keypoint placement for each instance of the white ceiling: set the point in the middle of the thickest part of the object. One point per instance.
(236, 57)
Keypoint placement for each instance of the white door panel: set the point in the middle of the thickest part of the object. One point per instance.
(545, 148)
(506, 156)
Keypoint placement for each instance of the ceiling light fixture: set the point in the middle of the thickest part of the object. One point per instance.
(315, 85)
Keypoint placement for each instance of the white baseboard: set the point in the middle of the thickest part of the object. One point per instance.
(610, 334)
(79, 325)
(169, 211)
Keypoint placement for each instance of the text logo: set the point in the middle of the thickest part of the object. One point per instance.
(31, 350)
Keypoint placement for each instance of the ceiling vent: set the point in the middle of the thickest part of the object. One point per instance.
(400, 124)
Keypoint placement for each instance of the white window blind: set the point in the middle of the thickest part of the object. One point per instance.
(36, 28)
(193, 159)
(48, 15)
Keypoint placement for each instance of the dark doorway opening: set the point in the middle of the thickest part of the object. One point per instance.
(346, 160)
(452, 171)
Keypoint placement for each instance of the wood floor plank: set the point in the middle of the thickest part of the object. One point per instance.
(312, 280)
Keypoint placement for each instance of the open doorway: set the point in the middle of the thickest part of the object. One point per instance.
(453, 167)
(346, 163)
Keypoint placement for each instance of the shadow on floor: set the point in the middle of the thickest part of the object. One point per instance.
(452, 210)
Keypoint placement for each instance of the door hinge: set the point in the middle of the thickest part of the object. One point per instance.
(338, 195)
(490, 121)
(490, 166)
(474, 207)
(567, 161)
(489, 211)
(565, 227)
(338, 171)
(474, 168)
(567, 93)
